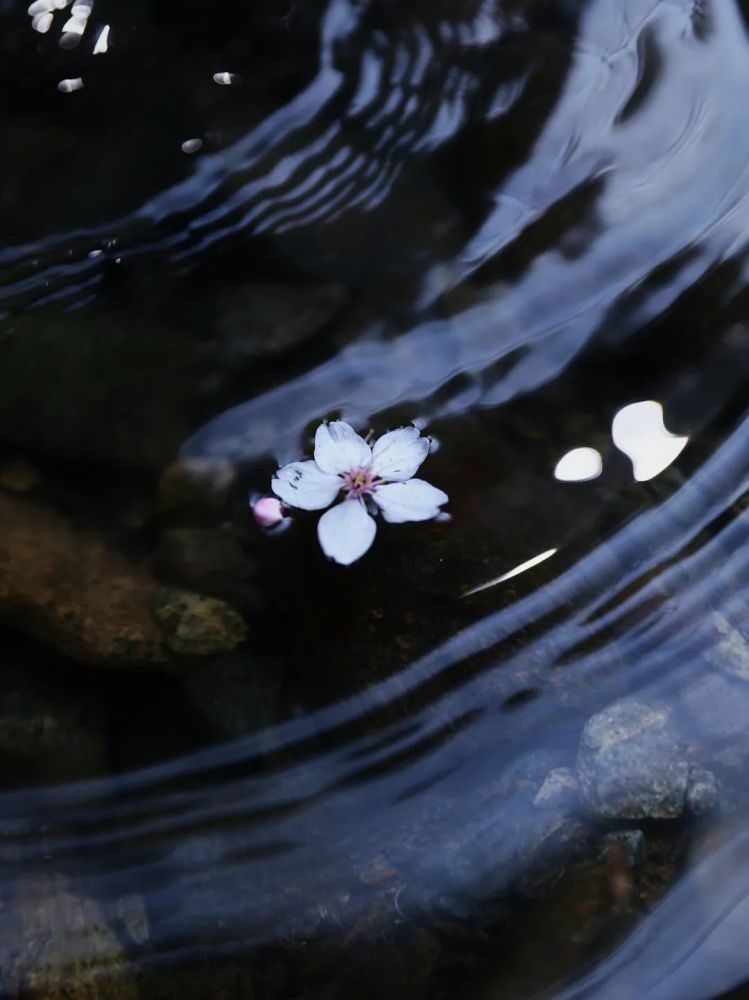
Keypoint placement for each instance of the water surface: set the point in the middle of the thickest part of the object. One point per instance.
(505, 222)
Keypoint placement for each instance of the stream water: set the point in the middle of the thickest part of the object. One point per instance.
(452, 768)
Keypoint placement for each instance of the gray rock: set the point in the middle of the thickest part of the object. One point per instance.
(517, 844)
(544, 849)
(560, 790)
(631, 842)
(539, 829)
(524, 850)
(527, 773)
(132, 919)
(730, 652)
(703, 794)
(630, 762)
(195, 625)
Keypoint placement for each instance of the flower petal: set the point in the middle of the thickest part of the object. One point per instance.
(346, 531)
(267, 511)
(302, 484)
(398, 454)
(411, 501)
(338, 448)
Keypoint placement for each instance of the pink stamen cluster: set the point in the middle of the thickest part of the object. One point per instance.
(359, 482)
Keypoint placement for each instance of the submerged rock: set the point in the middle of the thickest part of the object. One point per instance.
(19, 476)
(238, 694)
(630, 763)
(630, 845)
(565, 928)
(51, 728)
(132, 919)
(196, 489)
(209, 560)
(195, 625)
(703, 794)
(91, 386)
(57, 943)
(217, 980)
(546, 847)
(70, 589)
(261, 321)
(67, 588)
(560, 789)
(730, 651)
(531, 828)
(718, 708)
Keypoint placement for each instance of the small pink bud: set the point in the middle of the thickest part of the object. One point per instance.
(267, 511)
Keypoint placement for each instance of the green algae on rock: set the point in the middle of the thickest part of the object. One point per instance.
(195, 625)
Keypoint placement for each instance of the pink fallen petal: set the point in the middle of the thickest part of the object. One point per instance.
(268, 511)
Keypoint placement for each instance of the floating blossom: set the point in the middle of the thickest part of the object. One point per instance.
(371, 479)
(268, 511)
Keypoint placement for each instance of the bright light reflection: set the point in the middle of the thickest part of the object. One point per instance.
(74, 26)
(639, 431)
(513, 572)
(191, 145)
(68, 86)
(40, 7)
(102, 42)
(579, 466)
(42, 22)
(225, 79)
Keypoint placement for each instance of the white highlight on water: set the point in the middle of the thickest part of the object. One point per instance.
(529, 564)
(42, 22)
(102, 42)
(68, 86)
(579, 466)
(638, 430)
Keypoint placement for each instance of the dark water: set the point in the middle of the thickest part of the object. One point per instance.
(505, 222)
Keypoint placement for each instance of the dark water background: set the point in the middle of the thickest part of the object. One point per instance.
(503, 221)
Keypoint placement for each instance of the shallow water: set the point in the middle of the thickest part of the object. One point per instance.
(505, 223)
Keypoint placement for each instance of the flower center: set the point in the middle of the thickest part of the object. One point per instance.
(358, 482)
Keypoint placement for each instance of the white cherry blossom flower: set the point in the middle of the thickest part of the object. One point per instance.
(373, 479)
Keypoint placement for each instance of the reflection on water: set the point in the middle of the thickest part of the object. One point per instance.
(638, 430)
(505, 223)
(579, 465)
(528, 564)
